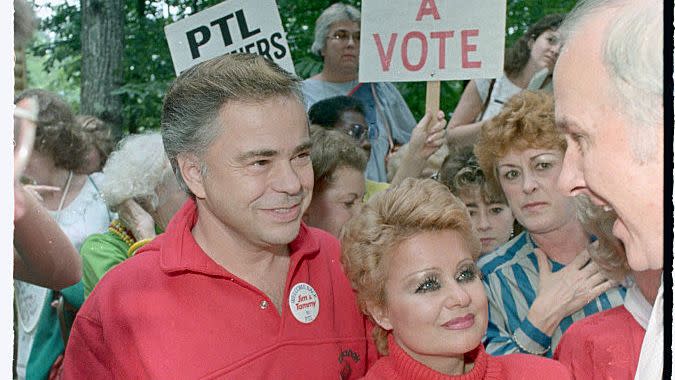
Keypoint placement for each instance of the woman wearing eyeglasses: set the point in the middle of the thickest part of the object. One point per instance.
(336, 40)
(345, 114)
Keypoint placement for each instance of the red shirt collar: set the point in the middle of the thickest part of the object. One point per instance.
(180, 252)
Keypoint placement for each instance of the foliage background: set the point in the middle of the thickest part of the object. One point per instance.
(54, 58)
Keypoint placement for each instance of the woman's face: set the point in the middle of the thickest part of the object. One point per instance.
(435, 303)
(545, 49)
(338, 202)
(342, 54)
(93, 161)
(493, 221)
(346, 123)
(528, 179)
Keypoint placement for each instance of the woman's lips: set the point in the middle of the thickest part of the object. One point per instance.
(460, 323)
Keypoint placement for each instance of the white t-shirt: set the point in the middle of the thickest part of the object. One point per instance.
(502, 91)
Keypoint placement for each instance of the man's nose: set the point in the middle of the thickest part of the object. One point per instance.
(571, 179)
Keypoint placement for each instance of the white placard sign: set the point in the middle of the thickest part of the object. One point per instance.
(431, 40)
(252, 26)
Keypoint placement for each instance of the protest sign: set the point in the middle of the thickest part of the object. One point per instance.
(252, 26)
(431, 40)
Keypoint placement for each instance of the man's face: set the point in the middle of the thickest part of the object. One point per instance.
(600, 160)
(258, 181)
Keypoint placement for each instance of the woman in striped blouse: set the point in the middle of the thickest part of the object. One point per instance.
(542, 280)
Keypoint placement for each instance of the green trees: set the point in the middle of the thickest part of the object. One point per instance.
(147, 69)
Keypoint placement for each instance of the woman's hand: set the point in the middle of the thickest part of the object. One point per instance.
(137, 220)
(566, 291)
(427, 137)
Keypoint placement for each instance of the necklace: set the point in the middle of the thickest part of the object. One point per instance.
(63, 197)
(117, 228)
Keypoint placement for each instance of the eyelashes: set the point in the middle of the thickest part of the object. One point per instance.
(467, 274)
(429, 284)
(432, 283)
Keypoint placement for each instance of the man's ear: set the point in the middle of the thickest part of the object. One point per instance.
(380, 315)
(191, 170)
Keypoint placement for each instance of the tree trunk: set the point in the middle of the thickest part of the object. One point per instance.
(102, 50)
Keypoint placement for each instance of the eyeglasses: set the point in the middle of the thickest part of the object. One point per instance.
(344, 36)
(358, 132)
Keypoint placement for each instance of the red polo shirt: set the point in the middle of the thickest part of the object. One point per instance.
(172, 312)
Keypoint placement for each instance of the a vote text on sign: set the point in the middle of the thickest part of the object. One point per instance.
(431, 40)
(252, 26)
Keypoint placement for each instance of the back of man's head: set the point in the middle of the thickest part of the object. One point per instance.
(193, 102)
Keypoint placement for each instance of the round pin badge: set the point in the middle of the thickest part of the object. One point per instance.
(304, 302)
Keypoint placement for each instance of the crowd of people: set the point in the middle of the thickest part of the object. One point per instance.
(346, 239)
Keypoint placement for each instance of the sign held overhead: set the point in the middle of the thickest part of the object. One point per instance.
(431, 40)
(251, 26)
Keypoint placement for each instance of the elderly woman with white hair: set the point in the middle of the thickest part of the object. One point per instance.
(336, 40)
(140, 185)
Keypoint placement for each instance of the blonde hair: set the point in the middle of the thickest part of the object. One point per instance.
(388, 219)
(527, 121)
(609, 252)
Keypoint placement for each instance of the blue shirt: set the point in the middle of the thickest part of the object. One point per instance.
(511, 279)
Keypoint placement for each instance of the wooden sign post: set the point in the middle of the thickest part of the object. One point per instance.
(432, 41)
(433, 98)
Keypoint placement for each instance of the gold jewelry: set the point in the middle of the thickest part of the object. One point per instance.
(117, 228)
(63, 197)
(132, 250)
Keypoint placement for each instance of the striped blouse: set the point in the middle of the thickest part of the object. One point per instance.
(511, 278)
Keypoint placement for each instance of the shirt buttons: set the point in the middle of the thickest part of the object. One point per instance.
(264, 304)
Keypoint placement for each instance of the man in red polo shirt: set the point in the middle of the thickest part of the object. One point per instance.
(237, 287)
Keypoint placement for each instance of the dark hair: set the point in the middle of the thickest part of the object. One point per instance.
(516, 56)
(56, 134)
(327, 112)
(460, 170)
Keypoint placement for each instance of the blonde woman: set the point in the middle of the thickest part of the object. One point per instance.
(410, 257)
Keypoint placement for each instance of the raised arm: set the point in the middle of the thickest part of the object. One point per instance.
(426, 138)
(43, 254)
(462, 127)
